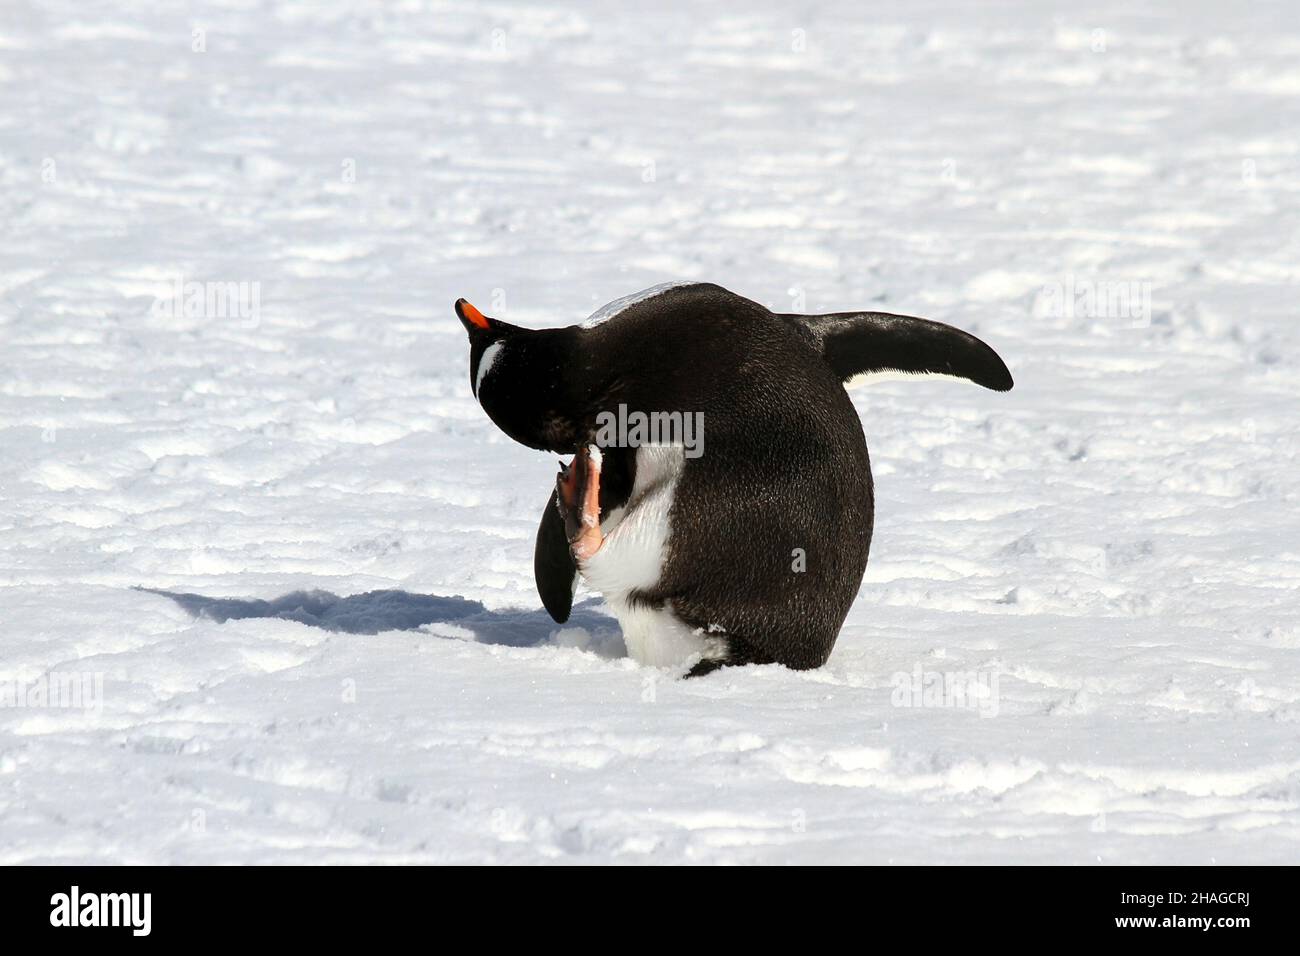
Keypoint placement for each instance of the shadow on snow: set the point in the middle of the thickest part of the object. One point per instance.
(377, 611)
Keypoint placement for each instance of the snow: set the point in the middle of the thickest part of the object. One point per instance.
(1112, 545)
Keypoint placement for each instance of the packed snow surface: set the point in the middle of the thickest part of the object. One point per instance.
(340, 656)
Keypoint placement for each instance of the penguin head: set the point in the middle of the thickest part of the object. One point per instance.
(519, 377)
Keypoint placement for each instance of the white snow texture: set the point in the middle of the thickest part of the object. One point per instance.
(354, 666)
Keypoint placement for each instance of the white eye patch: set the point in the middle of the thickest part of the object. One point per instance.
(485, 363)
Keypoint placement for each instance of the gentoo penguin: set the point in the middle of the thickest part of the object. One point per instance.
(752, 549)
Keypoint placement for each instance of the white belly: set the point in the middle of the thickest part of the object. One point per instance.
(632, 558)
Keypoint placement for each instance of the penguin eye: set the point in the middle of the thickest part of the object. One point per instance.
(491, 355)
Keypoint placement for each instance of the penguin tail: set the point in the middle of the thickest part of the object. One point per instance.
(860, 346)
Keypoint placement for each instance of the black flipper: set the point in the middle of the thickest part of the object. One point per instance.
(553, 565)
(859, 343)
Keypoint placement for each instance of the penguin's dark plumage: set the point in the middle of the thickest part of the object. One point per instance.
(854, 344)
(753, 551)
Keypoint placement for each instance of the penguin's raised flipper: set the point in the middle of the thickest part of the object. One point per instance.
(553, 565)
(861, 344)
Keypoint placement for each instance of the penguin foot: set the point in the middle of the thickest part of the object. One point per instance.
(577, 495)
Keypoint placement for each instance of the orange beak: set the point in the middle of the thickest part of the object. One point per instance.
(469, 314)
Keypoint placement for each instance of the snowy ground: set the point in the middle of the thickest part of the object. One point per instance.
(1116, 541)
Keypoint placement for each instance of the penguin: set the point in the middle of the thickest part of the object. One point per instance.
(750, 551)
